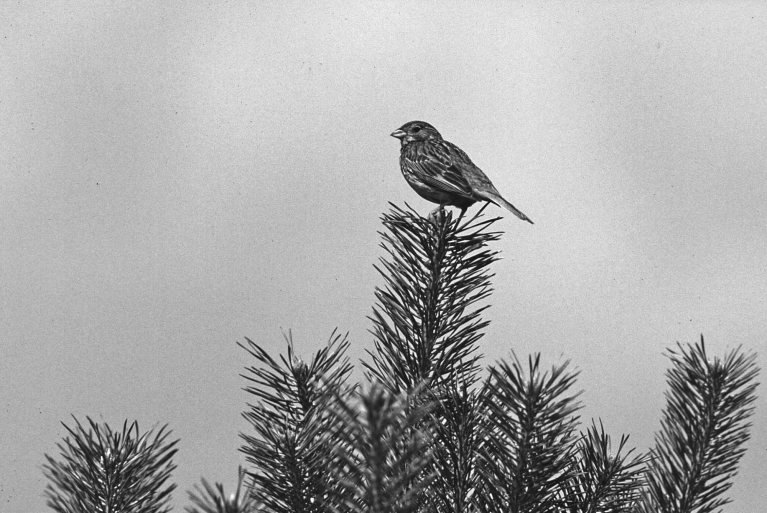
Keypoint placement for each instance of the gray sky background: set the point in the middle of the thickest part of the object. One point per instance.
(179, 175)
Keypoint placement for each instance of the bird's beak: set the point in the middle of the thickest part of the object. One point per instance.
(399, 134)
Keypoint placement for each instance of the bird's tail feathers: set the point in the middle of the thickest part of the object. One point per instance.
(498, 200)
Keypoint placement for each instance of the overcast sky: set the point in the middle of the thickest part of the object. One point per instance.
(179, 175)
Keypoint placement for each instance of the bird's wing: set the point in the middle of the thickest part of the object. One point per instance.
(479, 184)
(475, 178)
(439, 169)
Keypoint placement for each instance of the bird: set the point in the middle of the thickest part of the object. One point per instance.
(443, 173)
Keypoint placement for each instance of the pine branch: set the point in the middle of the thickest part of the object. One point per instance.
(426, 322)
(458, 426)
(602, 482)
(210, 499)
(289, 450)
(385, 437)
(102, 471)
(528, 448)
(703, 430)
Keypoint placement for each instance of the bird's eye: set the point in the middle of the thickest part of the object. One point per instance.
(416, 129)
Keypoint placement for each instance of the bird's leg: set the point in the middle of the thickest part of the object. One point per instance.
(437, 215)
(460, 216)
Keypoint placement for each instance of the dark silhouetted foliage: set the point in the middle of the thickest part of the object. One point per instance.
(703, 430)
(431, 432)
(105, 471)
(212, 499)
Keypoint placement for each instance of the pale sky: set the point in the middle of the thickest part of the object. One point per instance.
(177, 176)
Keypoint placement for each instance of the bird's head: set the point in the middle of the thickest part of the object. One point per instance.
(416, 131)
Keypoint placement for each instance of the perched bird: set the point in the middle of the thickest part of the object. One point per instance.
(441, 172)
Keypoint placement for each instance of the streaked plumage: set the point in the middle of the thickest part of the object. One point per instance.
(441, 172)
